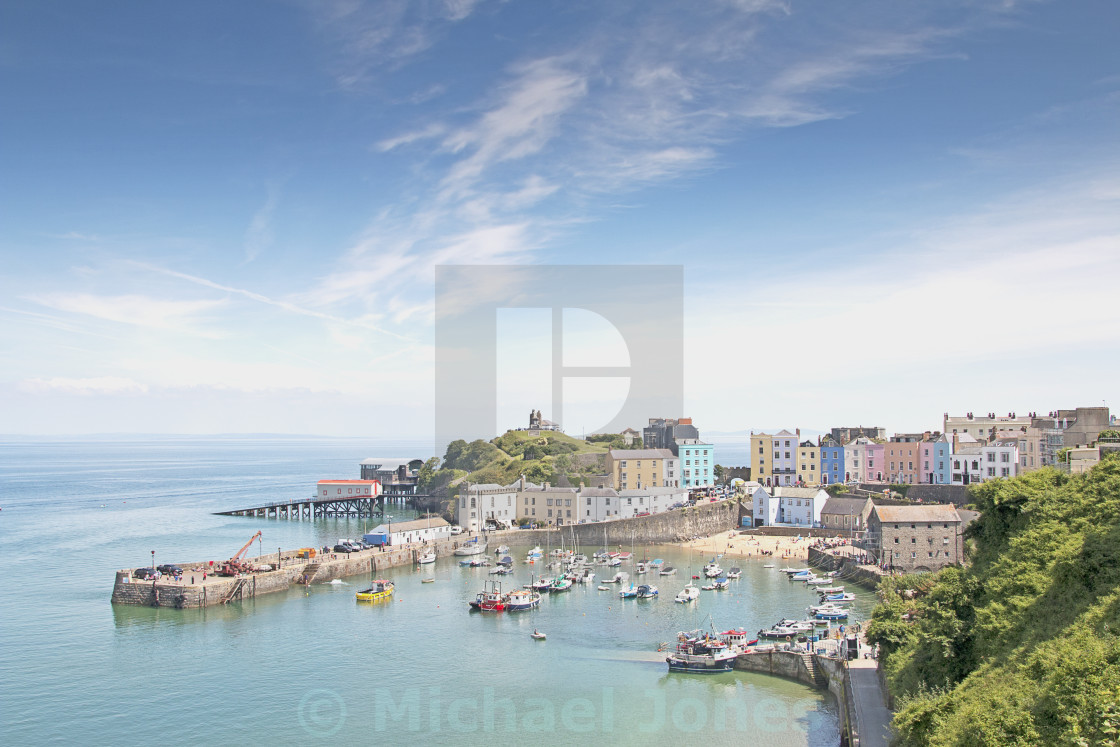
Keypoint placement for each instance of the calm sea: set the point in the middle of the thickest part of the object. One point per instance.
(313, 664)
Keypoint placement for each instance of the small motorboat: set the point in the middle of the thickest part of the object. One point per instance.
(708, 587)
(629, 592)
(604, 588)
(641, 567)
(646, 591)
(712, 570)
(427, 580)
(381, 589)
(735, 572)
(668, 570)
(426, 558)
(536, 635)
(721, 584)
(506, 561)
(688, 594)
(502, 550)
(768, 565)
(831, 590)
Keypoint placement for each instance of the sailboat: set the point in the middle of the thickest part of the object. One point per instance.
(689, 593)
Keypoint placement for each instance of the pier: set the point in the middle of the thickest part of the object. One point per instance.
(309, 509)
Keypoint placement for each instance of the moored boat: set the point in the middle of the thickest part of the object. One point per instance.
(701, 653)
(426, 558)
(378, 590)
(471, 547)
(629, 592)
(668, 570)
(688, 594)
(521, 600)
(712, 570)
(735, 572)
(490, 599)
(647, 591)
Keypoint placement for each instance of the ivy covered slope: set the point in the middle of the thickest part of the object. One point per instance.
(541, 458)
(1023, 646)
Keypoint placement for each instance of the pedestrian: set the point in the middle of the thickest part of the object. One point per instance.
(192, 580)
(204, 577)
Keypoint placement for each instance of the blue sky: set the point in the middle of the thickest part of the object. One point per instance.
(225, 217)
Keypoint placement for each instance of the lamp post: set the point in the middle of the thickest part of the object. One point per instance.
(153, 560)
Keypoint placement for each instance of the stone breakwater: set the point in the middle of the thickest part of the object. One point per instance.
(847, 567)
(193, 591)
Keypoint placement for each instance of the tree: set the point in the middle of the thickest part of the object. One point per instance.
(427, 472)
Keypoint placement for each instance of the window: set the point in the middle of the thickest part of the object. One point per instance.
(1005, 457)
(991, 456)
(913, 540)
(991, 471)
(944, 540)
(896, 540)
(588, 500)
(913, 555)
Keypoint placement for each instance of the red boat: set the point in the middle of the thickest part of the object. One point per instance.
(490, 599)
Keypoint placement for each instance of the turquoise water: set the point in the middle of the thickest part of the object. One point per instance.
(314, 664)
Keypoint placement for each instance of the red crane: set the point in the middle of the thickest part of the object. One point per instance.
(233, 566)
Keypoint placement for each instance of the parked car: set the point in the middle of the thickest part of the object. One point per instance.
(143, 573)
(169, 569)
(345, 548)
(456, 529)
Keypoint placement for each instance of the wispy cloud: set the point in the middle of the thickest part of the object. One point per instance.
(189, 317)
(96, 386)
(259, 235)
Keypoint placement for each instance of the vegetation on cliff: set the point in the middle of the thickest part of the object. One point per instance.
(1022, 647)
(548, 457)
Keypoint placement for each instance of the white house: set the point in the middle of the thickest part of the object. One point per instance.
(788, 506)
(598, 504)
(966, 464)
(403, 532)
(651, 500)
(546, 504)
(487, 506)
(1000, 458)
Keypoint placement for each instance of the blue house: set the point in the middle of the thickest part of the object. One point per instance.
(832, 461)
(934, 461)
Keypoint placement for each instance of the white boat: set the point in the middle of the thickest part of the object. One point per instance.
(688, 594)
(712, 570)
(668, 570)
(619, 578)
(818, 581)
(604, 588)
(831, 590)
(646, 591)
(428, 557)
(502, 550)
(641, 567)
(471, 547)
(768, 565)
(534, 553)
(722, 584)
(735, 573)
(537, 635)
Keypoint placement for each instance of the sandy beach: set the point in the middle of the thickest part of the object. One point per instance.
(734, 544)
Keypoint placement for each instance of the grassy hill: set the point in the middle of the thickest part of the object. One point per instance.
(1023, 646)
(544, 458)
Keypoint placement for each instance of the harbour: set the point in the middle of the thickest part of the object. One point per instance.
(311, 662)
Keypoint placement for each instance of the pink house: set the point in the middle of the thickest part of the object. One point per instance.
(876, 468)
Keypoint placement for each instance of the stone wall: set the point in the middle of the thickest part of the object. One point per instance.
(778, 663)
(849, 570)
(678, 525)
(796, 531)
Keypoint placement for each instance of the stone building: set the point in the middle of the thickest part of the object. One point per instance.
(915, 539)
(846, 513)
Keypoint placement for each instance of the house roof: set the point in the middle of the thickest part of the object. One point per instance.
(652, 491)
(349, 482)
(783, 432)
(483, 486)
(412, 526)
(786, 491)
(843, 505)
(942, 512)
(549, 489)
(598, 492)
(641, 454)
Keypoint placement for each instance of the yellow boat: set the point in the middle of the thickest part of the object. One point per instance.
(380, 590)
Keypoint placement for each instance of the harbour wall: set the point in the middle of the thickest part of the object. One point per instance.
(822, 672)
(847, 568)
(678, 525)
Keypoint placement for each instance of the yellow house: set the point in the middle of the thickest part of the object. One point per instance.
(808, 464)
(642, 468)
(762, 446)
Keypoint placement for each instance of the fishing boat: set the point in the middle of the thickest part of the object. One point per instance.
(646, 591)
(787, 629)
(835, 614)
(471, 547)
(490, 599)
(537, 635)
(582, 575)
(712, 570)
(701, 653)
(689, 593)
(378, 590)
(521, 600)
(541, 584)
(630, 592)
(560, 584)
(668, 570)
(735, 572)
(736, 640)
(426, 558)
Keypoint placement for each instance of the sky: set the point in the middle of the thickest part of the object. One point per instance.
(226, 217)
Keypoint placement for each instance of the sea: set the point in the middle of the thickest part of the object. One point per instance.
(312, 664)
